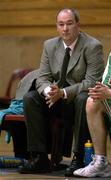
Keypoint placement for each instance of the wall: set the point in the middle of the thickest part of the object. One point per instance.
(25, 24)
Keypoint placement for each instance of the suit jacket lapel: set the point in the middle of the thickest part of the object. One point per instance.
(59, 55)
(75, 54)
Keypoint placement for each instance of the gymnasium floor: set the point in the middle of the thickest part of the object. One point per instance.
(11, 174)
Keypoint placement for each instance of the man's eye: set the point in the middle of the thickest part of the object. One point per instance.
(61, 24)
(69, 24)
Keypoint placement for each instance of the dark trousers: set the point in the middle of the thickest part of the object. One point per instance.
(81, 131)
(38, 125)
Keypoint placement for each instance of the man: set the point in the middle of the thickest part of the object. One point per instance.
(97, 105)
(54, 96)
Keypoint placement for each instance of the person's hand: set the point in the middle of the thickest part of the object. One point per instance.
(100, 91)
(54, 95)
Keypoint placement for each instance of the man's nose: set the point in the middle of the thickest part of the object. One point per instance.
(65, 27)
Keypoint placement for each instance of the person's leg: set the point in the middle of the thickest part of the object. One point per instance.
(96, 125)
(81, 133)
(36, 123)
(36, 126)
(99, 166)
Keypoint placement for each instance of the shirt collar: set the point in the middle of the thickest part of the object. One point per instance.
(72, 45)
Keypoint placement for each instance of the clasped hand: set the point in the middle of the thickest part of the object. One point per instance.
(100, 91)
(53, 95)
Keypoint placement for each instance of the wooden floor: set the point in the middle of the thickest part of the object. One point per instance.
(11, 174)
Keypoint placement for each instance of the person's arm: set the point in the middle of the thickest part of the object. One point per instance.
(45, 78)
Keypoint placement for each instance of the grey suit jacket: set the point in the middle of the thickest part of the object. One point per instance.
(85, 67)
